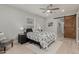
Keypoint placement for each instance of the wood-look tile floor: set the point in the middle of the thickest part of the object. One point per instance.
(69, 46)
(19, 49)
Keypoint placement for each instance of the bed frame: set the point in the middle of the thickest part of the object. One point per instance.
(32, 41)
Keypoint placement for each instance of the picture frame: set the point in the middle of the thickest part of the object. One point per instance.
(30, 22)
(50, 24)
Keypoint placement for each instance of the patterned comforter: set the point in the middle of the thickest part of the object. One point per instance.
(45, 38)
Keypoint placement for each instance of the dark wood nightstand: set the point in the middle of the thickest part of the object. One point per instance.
(22, 38)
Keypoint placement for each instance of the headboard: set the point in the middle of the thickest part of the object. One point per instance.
(29, 30)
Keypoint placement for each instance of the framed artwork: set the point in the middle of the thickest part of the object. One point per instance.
(50, 24)
(30, 22)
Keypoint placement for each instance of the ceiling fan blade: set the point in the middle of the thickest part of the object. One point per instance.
(54, 9)
(43, 8)
(44, 11)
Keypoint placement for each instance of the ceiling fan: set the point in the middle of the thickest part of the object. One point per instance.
(50, 8)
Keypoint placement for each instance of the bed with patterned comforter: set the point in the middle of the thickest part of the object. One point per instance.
(44, 38)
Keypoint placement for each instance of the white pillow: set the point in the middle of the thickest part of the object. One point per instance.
(2, 36)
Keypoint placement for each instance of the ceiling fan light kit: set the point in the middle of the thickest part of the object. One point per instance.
(48, 11)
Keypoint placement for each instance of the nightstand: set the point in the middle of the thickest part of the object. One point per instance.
(22, 38)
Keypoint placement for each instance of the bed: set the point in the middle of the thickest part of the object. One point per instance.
(43, 39)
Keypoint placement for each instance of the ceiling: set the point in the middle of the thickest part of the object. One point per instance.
(65, 9)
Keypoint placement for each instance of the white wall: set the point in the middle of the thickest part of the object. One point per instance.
(53, 28)
(77, 27)
(11, 19)
(39, 23)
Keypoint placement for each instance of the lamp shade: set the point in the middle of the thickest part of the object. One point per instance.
(21, 28)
